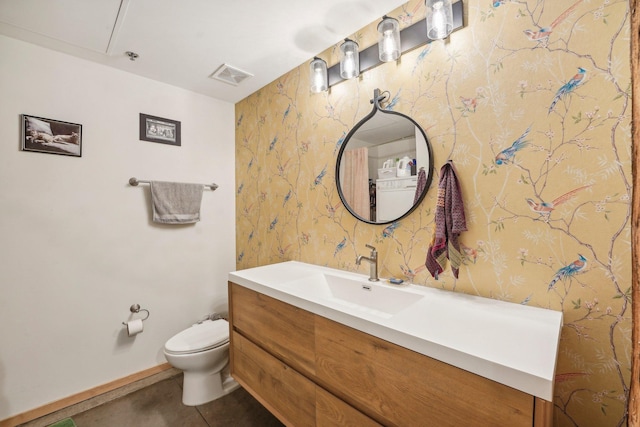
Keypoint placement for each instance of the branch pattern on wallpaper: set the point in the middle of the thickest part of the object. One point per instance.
(532, 102)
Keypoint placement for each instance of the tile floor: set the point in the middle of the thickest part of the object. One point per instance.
(160, 405)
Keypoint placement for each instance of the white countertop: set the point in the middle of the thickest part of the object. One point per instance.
(509, 343)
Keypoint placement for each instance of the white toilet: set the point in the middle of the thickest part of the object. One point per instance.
(202, 353)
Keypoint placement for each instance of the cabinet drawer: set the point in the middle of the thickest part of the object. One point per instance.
(284, 392)
(398, 386)
(285, 331)
(331, 411)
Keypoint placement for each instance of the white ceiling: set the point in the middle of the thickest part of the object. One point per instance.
(183, 42)
(385, 127)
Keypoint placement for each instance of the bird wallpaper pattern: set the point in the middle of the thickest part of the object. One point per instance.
(531, 102)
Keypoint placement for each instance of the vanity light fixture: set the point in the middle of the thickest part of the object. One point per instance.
(439, 19)
(318, 75)
(388, 39)
(349, 59)
(448, 19)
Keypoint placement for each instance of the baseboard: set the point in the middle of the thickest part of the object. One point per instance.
(107, 391)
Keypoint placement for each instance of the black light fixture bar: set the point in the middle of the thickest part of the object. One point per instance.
(410, 38)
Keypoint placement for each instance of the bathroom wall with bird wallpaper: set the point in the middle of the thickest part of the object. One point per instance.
(531, 101)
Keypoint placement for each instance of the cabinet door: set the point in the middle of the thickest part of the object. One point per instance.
(397, 386)
(285, 331)
(284, 392)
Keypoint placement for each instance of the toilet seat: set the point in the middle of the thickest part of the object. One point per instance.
(199, 337)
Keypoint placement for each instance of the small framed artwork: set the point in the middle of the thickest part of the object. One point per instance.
(51, 136)
(158, 129)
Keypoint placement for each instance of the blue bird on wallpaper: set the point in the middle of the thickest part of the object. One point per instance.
(286, 113)
(321, 175)
(273, 223)
(498, 3)
(391, 105)
(240, 188)
(250, 164)
(545, 208)
(239, 120)
(340, 246)
(273, 142)
(250, 236)
(568, 87)
(340, 142)
(421, 57)
(241, 256)
(331, 210)
(507, 155)
(388, 230)
(542, 35)
(407, 16)
(424, 52)
(286, 198)
(411, 273)
(569, 270)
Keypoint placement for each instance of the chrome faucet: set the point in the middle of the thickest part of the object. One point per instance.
(372, 259)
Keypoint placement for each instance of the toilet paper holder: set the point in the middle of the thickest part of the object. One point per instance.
(135, 308)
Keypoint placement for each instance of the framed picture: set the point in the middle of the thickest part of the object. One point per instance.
(158, 129)
(51, 136)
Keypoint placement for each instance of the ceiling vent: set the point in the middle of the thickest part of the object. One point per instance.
(231, 75)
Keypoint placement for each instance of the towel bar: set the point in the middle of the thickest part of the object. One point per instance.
(135, 181)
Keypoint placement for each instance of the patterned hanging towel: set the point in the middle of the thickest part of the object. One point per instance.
(450, 222)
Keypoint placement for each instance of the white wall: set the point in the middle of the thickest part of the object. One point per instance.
(77, 245)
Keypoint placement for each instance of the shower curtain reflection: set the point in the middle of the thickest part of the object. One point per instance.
(355, 182)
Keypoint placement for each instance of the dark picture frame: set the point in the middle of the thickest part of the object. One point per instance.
(51, 136)
(159, 129)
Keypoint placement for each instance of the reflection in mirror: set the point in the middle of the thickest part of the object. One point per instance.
(384, 167)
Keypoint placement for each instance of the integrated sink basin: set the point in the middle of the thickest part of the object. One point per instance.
(370, 297)
(513, 344)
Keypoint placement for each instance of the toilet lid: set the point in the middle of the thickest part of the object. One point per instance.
(199, 337)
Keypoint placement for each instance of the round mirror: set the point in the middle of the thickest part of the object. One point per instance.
(384, 167)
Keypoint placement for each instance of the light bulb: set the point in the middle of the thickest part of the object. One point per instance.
(388, 39)
(349, 59)
(318, 75)
(439, 19)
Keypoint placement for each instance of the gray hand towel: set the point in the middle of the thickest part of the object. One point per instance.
(176, 203)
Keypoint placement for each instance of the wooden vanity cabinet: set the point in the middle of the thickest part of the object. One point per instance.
(311, 371)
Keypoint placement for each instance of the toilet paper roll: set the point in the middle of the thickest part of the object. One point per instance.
(134, 327)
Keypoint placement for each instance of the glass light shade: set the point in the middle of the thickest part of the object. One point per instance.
(318, 77)
(349, 59)
(439, 19)
(388, 39)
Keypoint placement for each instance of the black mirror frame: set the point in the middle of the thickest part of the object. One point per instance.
(377, 98)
